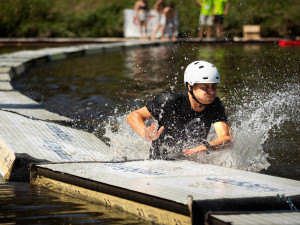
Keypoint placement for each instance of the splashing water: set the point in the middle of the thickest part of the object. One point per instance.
(124, 142)
(250, 125)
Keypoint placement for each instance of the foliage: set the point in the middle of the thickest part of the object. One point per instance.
(102, 18)
(276, 17)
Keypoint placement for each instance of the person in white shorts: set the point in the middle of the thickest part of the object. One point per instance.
(141, 14)
(206, 18)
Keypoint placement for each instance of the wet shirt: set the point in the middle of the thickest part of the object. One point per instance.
(184, 127)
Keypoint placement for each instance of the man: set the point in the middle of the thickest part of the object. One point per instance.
(184, 118)
(205, 17)
(159, 7)
(220, 9)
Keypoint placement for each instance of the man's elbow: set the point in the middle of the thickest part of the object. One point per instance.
(129, 118)
(227, 139)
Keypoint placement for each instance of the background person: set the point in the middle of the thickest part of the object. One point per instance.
(169, 13)
(159, 7)
(141, 14)
(184, 118)
(220, 9)
(205, 17)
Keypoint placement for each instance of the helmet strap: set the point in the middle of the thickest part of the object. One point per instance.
(193, 96)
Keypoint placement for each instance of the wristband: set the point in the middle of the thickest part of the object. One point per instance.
(207, 145)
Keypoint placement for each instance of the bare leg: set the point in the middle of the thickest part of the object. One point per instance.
(153, 37)
(146, 33)
(163, 30)
(208, 34)
(201, 30)
(141, 30)
(218, 30)
(173, 32)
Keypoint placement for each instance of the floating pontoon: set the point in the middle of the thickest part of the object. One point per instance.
(169, 191)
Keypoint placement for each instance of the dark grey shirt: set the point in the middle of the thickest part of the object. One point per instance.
(184, 127)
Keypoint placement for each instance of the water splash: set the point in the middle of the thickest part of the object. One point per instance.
(251, 124)
(254, 117)
(124, 142)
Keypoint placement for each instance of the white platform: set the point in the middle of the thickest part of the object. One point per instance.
(45, 141)
(177, 186)
(176, 180)
(255, 218)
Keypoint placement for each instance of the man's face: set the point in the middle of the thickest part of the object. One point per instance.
(205, 93)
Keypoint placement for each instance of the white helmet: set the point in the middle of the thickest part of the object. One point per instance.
(201, 72)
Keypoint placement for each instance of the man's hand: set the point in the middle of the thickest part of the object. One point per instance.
(198, 149)
(151, 133)
(199, 2)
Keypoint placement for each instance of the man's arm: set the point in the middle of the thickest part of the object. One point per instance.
(156, 5)
(199, 3)
(136, 120)
(226, 8)
(136, 9)
(224, 136)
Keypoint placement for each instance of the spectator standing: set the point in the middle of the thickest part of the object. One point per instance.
(206, 18)
(159, 7)
(169, 13)
(220, 9)
(141, 8)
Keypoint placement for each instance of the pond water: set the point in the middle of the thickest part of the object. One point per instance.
(23, 204)
(259, 87)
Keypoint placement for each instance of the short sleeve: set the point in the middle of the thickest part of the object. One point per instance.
(217, 112)
(161, 105)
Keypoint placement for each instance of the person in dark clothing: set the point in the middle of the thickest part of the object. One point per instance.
(169, 14)
(184, 118)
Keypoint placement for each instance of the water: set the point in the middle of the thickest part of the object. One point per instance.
(259, 87)
(23, 204)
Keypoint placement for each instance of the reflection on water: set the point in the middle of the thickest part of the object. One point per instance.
(23, 204)
(259, 87)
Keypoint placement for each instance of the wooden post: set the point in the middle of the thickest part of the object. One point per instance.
(251, 32)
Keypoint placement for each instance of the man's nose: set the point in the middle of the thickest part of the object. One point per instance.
(211, 91)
